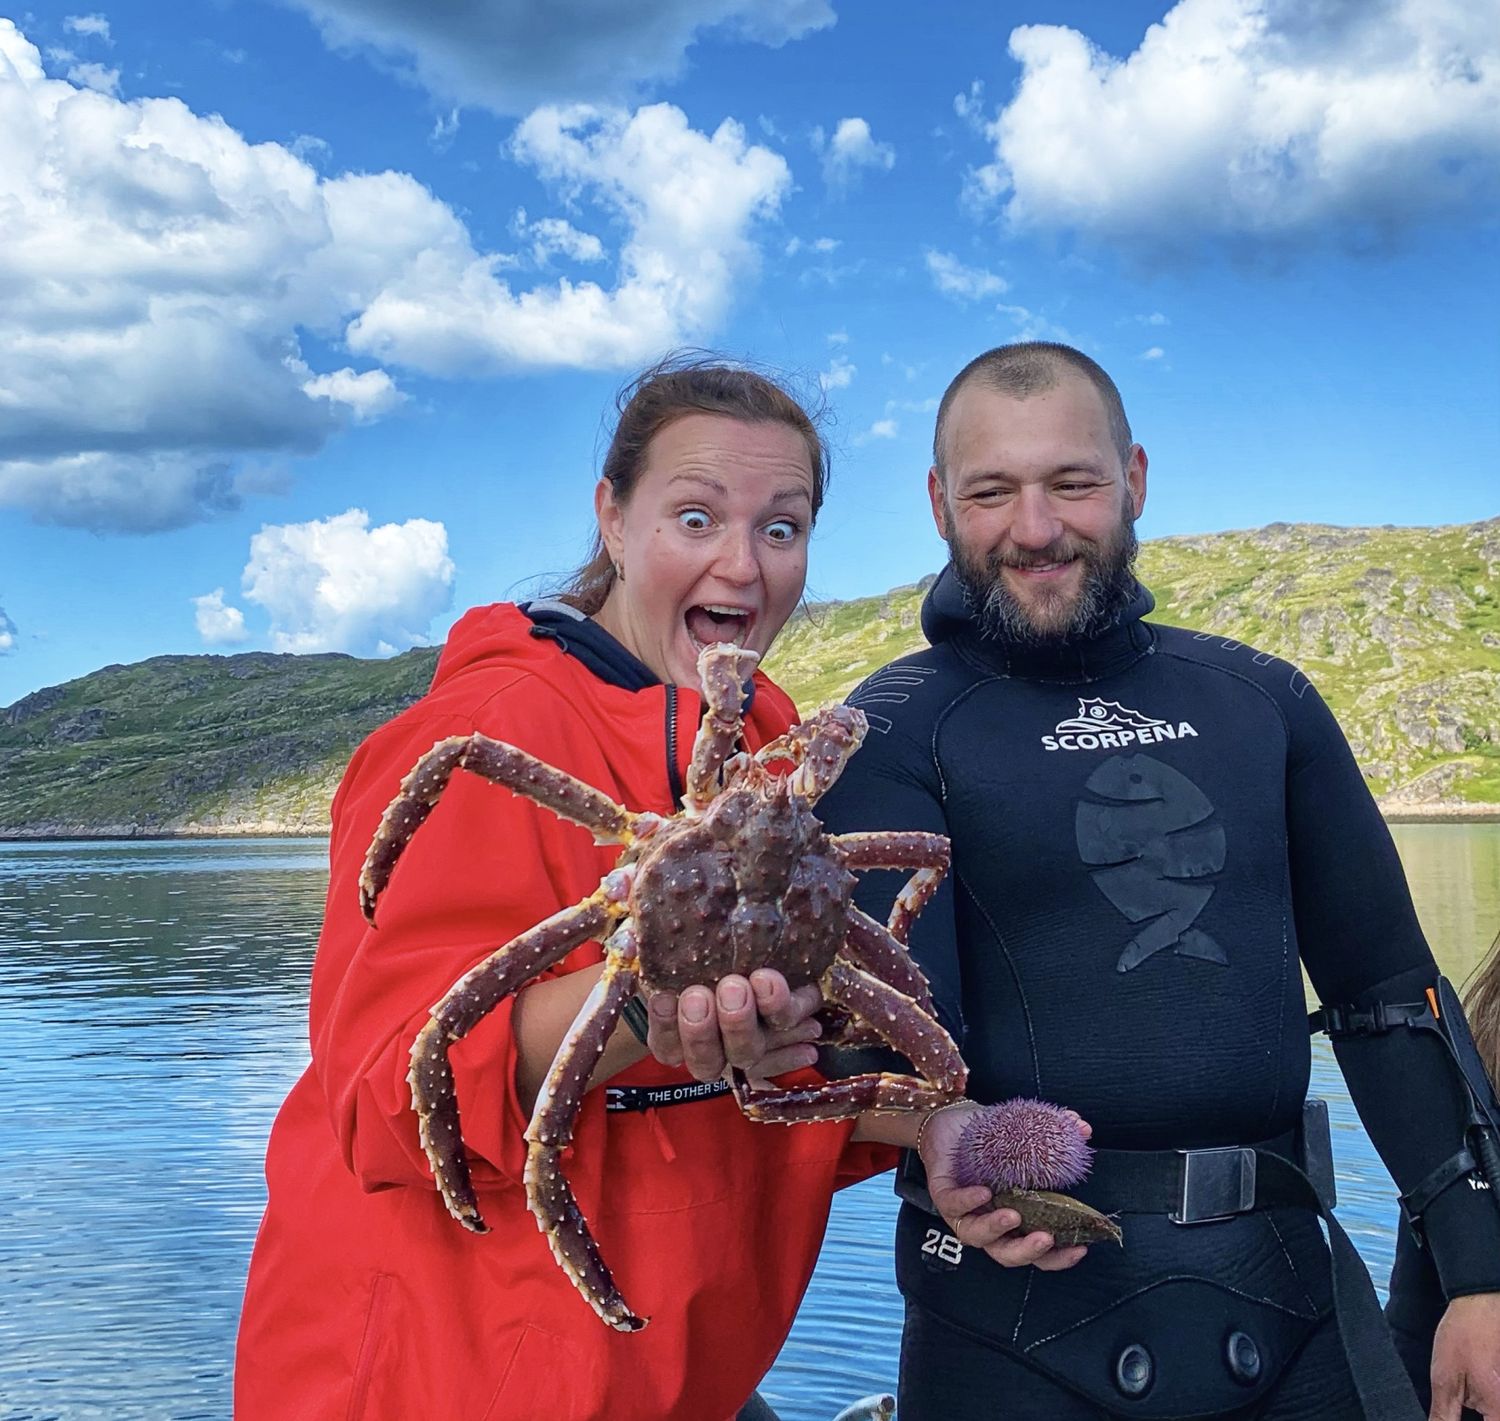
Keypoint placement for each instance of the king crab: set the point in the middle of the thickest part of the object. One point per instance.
(742, 877)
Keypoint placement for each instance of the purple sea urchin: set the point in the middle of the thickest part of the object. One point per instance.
(1021, 1144)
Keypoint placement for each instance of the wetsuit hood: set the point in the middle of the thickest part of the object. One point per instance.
(946, 617)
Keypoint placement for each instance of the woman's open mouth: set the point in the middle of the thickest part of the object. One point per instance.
(717, 622)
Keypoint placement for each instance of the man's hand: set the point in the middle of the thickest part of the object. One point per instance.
(761, 1026)
(975, 1222)
(1466, 1359)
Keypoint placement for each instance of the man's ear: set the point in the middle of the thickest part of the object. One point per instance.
(1135, 479)
(938, 495)
(611, 519)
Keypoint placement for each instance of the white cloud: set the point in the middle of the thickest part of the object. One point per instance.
(556, 235)
(336, 584)
(95, 77)
(218, 624)
(839, 375)
(1254, 117)
(1155, 318)
(511, 55)
(822, 245)
(884, 429)
(157, 272)
(969, 105)
(1154, 353)
(366, 395)
(689, 200)
(96, 26)
(965, 283)
(850, 151)
(8, 633)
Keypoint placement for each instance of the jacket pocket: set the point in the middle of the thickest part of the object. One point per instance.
(369, 1344)
(538, 1380)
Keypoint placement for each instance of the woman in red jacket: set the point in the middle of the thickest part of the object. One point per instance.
(365, 1301)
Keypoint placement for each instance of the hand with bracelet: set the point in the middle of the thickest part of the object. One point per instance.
(969, 1212)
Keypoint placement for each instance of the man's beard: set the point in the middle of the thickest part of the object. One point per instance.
(1053, 617)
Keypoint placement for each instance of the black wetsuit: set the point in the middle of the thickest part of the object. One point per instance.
(1149, 829)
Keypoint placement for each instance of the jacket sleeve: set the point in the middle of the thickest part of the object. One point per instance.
(1360, 939)
(485, 866)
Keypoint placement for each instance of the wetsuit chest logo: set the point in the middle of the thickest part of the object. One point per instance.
(1148, 830)
(1107, 725)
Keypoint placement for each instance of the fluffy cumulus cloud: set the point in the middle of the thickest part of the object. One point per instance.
(963, 283)
(510, 56)
(689, 201)
(850, 152)
(1254, 117)
(8, 634)
(218, 624)
(337, 584)
(158, 273)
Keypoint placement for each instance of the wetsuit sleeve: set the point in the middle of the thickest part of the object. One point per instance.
(485, 866)
(893, 783)
(1361, 942)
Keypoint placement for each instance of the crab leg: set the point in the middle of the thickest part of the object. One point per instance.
(903, 1025)
(551, 1131)
(929, 854)
(876, 950)
(503, 764)
(473, 996)
(724, 670)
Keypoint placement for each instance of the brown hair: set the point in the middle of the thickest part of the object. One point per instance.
(1482, 1007)
(684, 383)
(1027, 368)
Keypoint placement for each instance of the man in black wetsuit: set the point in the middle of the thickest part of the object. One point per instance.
(1150, 828)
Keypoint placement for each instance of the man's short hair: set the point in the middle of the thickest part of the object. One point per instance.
(1027, 368)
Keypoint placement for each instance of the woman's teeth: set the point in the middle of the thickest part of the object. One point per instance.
(717, 622)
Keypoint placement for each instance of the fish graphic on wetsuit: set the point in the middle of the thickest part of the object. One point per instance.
(1150, 840)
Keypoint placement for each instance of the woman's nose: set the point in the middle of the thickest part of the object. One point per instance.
(737, 562)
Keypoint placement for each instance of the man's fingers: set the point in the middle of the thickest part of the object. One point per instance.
(1061, 1258)
(698, 1026)
(773, 998)
(663, 1040)
(1021, 1251)
(739, 1022)
(779, 1062)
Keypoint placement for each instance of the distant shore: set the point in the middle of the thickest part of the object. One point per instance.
(1392, 813)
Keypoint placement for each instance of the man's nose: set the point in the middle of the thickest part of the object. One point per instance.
(1034, 524)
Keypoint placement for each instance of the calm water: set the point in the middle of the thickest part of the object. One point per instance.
(151, 1019)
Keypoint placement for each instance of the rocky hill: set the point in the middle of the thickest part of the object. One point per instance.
(1398, 627)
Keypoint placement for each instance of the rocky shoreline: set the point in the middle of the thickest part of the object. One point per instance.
(1393, 813)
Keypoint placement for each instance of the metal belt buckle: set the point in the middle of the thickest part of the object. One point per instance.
(1216, 1184)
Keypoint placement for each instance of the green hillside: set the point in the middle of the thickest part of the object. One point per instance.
(1398, 627)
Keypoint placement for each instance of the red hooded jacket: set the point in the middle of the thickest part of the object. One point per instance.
(365, 1300)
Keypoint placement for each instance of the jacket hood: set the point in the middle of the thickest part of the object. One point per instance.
(530, 634)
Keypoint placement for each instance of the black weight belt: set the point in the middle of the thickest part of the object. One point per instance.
(1199, 1187)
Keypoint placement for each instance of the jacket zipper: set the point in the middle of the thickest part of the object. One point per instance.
(674, 775)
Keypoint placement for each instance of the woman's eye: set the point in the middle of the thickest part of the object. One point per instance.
(783, 530)
(694, 519)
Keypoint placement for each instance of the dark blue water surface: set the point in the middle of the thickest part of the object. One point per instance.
(152, 1001)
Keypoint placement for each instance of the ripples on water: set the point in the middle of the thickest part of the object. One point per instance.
(152, 1017)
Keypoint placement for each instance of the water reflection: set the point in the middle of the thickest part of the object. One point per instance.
(152, 1016)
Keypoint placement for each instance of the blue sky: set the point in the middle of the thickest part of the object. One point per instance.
(310, 312)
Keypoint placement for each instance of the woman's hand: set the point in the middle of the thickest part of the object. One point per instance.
(760, 1026)
(969, 1212)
